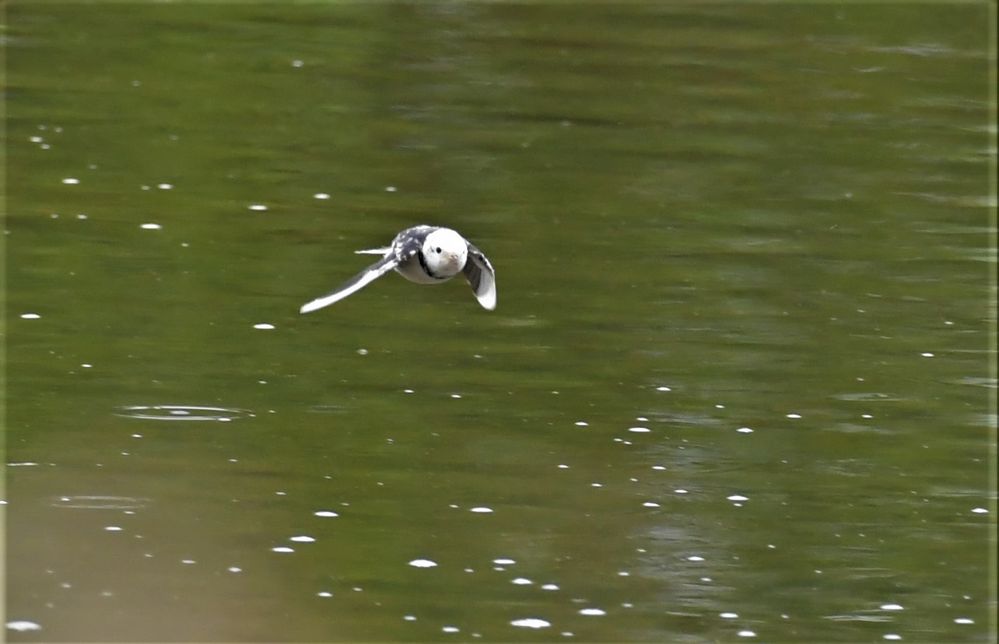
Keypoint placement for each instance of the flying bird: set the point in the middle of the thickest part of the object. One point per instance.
(425, 255)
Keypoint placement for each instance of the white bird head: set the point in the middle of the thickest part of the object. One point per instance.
(445, 252)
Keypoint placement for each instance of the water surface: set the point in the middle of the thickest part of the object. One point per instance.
(737, 386)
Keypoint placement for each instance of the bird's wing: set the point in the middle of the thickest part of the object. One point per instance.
(373, 251)
(354, 284)
(482, 277)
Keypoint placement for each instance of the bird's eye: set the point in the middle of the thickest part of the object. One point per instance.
(438, 249)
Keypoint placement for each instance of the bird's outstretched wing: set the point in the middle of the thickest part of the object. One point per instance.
(481, 276)
(354, 284)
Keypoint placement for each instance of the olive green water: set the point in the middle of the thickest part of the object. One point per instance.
(737, 387)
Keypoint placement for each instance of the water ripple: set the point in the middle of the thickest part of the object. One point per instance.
(99, 502)
(182, 412)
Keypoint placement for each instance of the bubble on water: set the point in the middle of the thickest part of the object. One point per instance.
(593, 612)
(530, 622)
(423, 563)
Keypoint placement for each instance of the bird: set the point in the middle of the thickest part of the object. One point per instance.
(425, 255)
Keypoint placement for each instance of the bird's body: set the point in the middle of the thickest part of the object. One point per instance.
(425, 255)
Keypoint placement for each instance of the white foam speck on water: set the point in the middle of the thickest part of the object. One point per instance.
(794, 416)
(681, 491)
(165, 186)
(423, 563)
(321, 196)
(71, 181)
(150, 226)
(325, 514)
(113, 528)
(325, 594)
(550, 587)
(737, 497)
(521, 581)
(745, 430)
(23, 626)
(481, 510)
(257, 207)
(530, 622)
(728, 615)
(746, 633)
(650, 504)
(979, 510)
(695, 558)
(581, 423)
(282, 549)
(663, 388)
(409, 618)
(30, 316)
(891, 607)
(450, 629)
(963, 620)
(639, 430)
(592, 612)
(504, 561)
(234, 569)
(302, 538)
(263, 326)
(926, 354)
(891, 636)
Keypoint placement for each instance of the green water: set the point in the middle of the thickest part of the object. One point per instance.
(737, 387)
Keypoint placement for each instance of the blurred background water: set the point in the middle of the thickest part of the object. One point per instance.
(737, 386)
